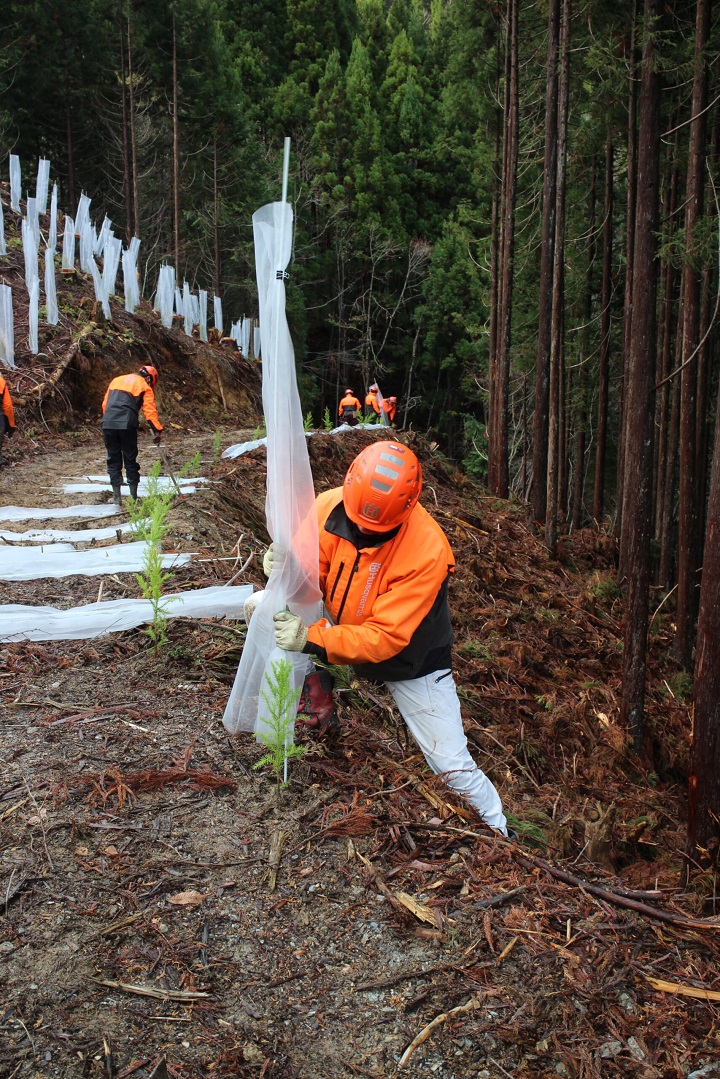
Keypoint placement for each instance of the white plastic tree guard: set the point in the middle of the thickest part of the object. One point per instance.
(179, 309)
(30, 252)
(68, 251)
(102, 238)
(19, 622)
(165, 296)
(131, 286)
(62, 560)
(33, 219)
(86, 248)
(3, 246)
(202, 314)
(187, 309)
(51, 307)
(33, 316)
(82, 214)
(41, 185)
(217, 314)
(7, 327)
(245, 337)
(52, 233)
(113, 250)
(256, 343)
(15, 183)
(58, 513)
(290, 501)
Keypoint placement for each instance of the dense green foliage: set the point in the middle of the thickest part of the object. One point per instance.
(392, 106)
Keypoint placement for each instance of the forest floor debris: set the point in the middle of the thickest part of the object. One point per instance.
(400, 936)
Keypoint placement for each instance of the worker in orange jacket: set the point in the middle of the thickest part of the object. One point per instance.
(8, 414)
(348, 408)
(124, 398)
(384, 571)
(389, 409)
(372, 405)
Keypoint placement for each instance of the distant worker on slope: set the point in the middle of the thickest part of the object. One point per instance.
(124, 398)
(385, 565)
(389, 409)
(348, 408)
(8, 414)
(372, 405)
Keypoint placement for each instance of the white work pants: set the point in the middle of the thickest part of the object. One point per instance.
(431, 709)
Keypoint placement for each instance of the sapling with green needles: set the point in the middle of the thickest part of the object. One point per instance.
(143, 510)
(281, 705)
(327, 420)
(217, 444)
(153, 578)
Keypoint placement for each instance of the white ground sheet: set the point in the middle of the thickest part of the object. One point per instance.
(57, 513)
(64, 535)
(98, 488)
(62, 560)
(163, 482)
(23, 623)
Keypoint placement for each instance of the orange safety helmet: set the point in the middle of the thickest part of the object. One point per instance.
(382, 486)
(374, 387)
(149, 373)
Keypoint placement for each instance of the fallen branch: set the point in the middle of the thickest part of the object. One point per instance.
(683, 990)
(156, 994)
(425, 1033)
(679, 920)
(45, 388)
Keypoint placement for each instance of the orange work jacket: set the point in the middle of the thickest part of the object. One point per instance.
(389, 409)
(7, 405)
(348, 402)
(371, 401)
(386, 595)
(124, 398)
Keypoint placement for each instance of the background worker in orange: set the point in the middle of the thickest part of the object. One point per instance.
(390, 408)
(384, 571)
(348, 408)
(8, 414)
(124, 398)
(372, 405)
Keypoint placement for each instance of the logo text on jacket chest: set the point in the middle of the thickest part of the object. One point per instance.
(375, 568)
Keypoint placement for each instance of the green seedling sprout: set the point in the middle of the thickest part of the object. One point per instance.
(217, 444)
(153, 578)
(327, 420)
(281, 704)
(308, 422)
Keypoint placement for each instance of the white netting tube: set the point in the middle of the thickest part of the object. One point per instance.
(131, 287)
(52, 234)
(165, 296)
(68, 251)
(33, 316)
(202, 314)
(218, 314)
(86, 248)
(179, 310)
(187, 309)
(15, 183)
(30, 252)
(102, 239)
(7, 328)
(113, 250)
(41, 185)
(290, 500)
(51, 306)
(82, 214)
(257, 348)
(3, 246)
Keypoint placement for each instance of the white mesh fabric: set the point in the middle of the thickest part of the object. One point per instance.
(41, 185)
(165, 298)
(33, 316)
(32, 218)
(51, 306)
(57, 513)
(82, 214)
(217, 313)
(3, 247)
(187, 309)
(290, 498)
(30, 252)
(52, 234)
(68, 252)
(15, 183)
(202, 314)
(7, 328)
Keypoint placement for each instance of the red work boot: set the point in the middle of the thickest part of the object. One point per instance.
(316, 707)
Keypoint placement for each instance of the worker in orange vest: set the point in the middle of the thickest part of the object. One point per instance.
(385, 564)
(372, 405)
(124, 398)
(7, 425)
(348, 408)
(390, 409)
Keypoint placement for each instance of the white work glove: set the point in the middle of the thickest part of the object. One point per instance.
(251, 603)
(290, 631)
(273, 558)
